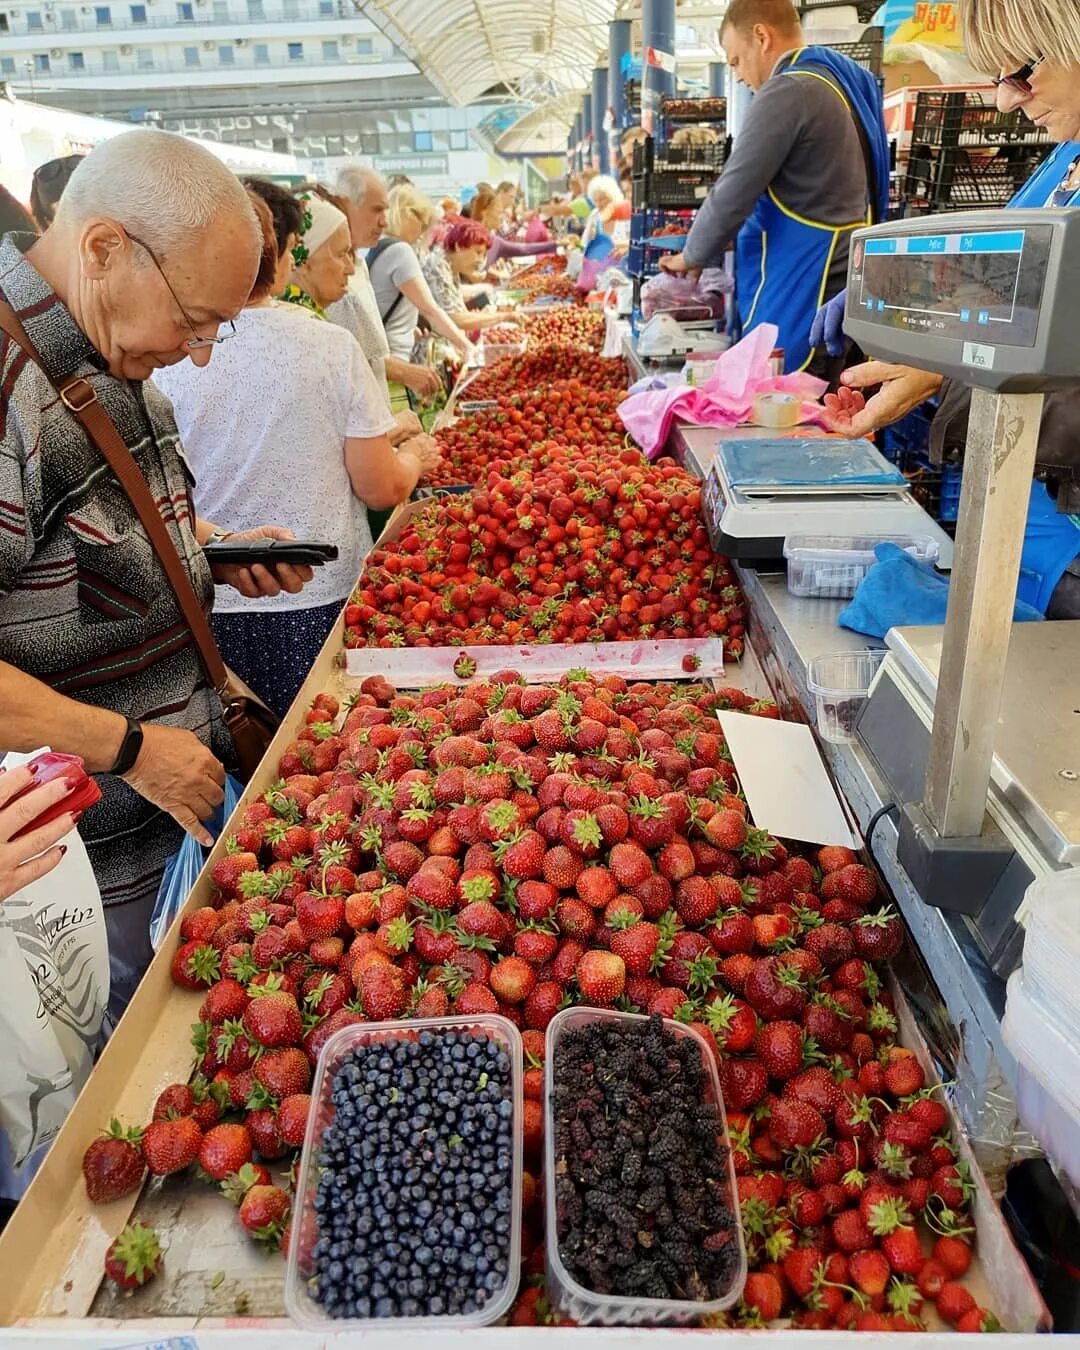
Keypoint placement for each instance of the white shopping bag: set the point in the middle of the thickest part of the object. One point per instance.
(54, 974)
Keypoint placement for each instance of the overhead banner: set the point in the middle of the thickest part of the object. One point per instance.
(660, 60)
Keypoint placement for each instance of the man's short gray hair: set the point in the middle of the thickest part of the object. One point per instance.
(160, 187)
(353, 182)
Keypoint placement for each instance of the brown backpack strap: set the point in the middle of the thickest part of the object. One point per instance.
(80, 398)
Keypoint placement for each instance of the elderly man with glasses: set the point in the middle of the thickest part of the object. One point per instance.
(153, 250)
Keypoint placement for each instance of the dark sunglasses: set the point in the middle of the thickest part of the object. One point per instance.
(1020, 80)
(58, 168)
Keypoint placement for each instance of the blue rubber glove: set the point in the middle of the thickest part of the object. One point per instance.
(828, 326)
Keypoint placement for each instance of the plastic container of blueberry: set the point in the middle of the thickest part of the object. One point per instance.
(566, 1294)
(493, 1303)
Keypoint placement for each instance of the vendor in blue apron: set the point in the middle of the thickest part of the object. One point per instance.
(810, 164)
(1047, 90)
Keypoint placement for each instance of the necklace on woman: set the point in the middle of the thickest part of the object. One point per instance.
(296, 295)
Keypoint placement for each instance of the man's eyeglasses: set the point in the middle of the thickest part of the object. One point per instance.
(195, 342)
(1020, 80)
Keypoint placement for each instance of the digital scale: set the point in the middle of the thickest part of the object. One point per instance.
(976, 726)
(750, 521)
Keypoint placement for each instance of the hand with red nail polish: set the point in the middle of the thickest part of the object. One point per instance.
(35, 854)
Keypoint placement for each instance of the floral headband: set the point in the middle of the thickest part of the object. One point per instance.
(320, 220)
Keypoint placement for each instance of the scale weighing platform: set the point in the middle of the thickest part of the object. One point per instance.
(759, 488)
(992, 797)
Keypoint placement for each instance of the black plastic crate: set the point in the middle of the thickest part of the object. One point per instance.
(968, 119)
(690, 111)
(866, 9)
(867, 52)
(962, 179)
(680, 178)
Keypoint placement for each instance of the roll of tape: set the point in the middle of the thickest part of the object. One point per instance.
(776, 410)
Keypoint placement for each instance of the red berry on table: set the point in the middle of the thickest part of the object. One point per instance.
(113, 1165)
(133, 1257)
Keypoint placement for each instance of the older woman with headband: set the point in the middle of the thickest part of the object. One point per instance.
(1031, 49)
(323, 257)
(289, 412)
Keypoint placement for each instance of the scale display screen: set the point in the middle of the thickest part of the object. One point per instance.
(979, 287)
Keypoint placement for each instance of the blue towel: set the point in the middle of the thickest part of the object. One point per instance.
(899, 591)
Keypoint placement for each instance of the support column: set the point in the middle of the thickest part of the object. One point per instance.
(658, 33)
(717, 79)
(618, 47)
(601, 157)
(586, 132)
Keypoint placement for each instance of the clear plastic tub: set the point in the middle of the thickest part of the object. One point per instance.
(1048, 1074)
(1051, 911)
(840, 684)
(302, 1308)
(566, 1295)
(829, 566)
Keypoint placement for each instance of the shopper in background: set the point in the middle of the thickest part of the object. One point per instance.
(151, 255)
(1032, 51)
(809, 165)
(288, 219)
(48, 186)
(14, 217)
(367, 204)
(457, 258)
(605, 218)
(289, 415)
(322, 257)
(402, 296)
(36, 853)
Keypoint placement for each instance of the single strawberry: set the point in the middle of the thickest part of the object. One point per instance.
(732, 932)
(831, 943)
(903, 1251)
(744, 1083)
(879, 936)
(696, 901)
(133, 1257)
(903, 1073)
(855, 884)
(382, 993)
(475, 998)
(224, 1149)
(535, 944)
(170, 1145)
(954, 1301)
(931, 1278)
(263, 1212)
(513, 979)
(596, 887)
(293, 1114)
(543, 1003)
(978, 1320)
(795, 1124)
(272, 1018)
(834, 856)
(113, 1165)
(196, 965)
(870, 1272)
(629, 865)
(726, 829)
(850, 1232)
(581, 834)
(902, 1128)
(601, 977)
(524, 858)
(283, 1072)
(954, 1253)
(779, 1047)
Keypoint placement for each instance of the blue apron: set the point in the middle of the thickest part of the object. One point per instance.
(1051, 538)
(782, 259)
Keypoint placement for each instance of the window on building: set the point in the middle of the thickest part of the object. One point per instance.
(185, 12)
(262, 54)
(364, 47)
(33, 21)
(330, 50)
(459, 140)
(76, 62)
(138, 13)
(144, 58)
(221, 11)
(110, 62)
(291, 9)
(255, 9)
(296, 51)
(327, 9)
(3, 23)
(103, 16)
(226, 56)
(69, 20)
(41, 63)
(422, 140)
(191, 56)
(7, 65)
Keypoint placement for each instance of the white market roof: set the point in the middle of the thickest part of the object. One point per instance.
(543, 130)
(539, 48)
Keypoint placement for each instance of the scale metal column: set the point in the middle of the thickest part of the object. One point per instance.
(981, 297)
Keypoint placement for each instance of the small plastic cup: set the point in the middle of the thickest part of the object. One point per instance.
(840, 684)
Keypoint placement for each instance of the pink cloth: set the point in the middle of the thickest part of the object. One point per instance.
(725, 399)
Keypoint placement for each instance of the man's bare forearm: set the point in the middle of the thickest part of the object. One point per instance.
(36, 715)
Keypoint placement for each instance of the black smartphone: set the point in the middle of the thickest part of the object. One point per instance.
(246, 552)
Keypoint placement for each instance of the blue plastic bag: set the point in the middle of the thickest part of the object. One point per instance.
(185, 865)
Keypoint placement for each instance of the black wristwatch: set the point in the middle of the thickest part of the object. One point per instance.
(129, 748)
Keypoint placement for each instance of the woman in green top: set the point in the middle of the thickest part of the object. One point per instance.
(323, 258)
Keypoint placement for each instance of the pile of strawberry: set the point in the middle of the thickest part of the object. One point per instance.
(578, 546)
(567, 326)
(568, 412)
(546, 277)
(503, 334)
(508, 848)
(542, 364)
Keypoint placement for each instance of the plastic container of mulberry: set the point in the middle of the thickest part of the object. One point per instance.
(301, 1306)
(566, 1295)
(840, 684)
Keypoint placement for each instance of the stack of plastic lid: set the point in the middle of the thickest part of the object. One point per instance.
(1042, 1018)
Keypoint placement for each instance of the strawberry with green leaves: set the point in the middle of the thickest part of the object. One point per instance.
(133, 1257)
